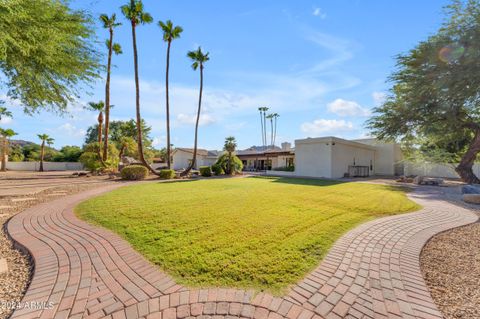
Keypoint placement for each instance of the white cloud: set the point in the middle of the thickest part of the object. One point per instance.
(379, 97)
(322, 126)
(318, 12)
(205, 119)
(159, 141)
(347, 108)
(70, 130)
(6, 120)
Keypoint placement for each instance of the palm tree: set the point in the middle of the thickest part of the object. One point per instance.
(45, 139)
(109, 23)
(169, 34)
(263, 114)
(100, 107)
(199, 59)
(229, 146)
(6, 134)
(275, 117)
(260, 109)
(270, 117)
(135, 14)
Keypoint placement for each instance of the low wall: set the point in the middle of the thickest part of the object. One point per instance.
(47, 166)
(280, 173)
(435, 170)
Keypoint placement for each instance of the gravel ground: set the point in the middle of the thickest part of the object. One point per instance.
(451, 267)
(14, 283)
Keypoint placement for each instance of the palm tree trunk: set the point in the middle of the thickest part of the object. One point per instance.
(194, 159)
(100, 126)
(261, 124)
(275, 132)
(271, 132)
(137, 103)
(42, 153)
(4, 154)
(168, 105)
(265, 128)
(107, 97)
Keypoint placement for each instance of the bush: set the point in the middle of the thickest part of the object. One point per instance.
(285, 169)
(205, 171)
(237, 165)
(134, 172)
(167, 173)
(217, 169)
(90, 158)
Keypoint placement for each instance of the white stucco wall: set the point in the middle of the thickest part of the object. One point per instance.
(47, 166)
(313, 158)
(344, 155)
(387, 156)
(181, 159)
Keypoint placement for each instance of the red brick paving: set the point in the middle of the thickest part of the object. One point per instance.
(86, 272)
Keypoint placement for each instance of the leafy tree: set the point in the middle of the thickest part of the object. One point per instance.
(109, 23)
(46, 52)
(5, 134)
(16, 154)
(134, 12)
(434, 103)
(99, 107)
(4, 112)
(119, 130)
(45, 139)
(92, 159)
(68, 154)
(199, 59)
(170, 33)
(230, 146)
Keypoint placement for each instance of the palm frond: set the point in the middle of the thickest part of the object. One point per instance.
(117, 48)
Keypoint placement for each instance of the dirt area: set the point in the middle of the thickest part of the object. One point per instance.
(451, 267)
(18, 191)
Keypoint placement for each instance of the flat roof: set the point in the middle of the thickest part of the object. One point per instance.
(333, 139)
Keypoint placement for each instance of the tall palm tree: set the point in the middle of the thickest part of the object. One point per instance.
(230, 146)
(199, 59)
(45, 139)
(260, 109)
(99, 107)
(133, 11)
(275, 117)
(270, 117)
(263, 114)
(170, 33)
(109, 23)
(6, 134)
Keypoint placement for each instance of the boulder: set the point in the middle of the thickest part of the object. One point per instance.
(471, 198)
(418, 180)
(470, 189)
(432, 181)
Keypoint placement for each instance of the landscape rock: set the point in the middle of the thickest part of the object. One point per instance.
(471, 198)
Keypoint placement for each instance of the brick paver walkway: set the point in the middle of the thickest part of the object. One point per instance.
(87, 272)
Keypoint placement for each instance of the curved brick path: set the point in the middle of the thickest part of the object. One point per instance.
(87, 272)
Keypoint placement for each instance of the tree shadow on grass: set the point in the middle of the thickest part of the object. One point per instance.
(300, 181)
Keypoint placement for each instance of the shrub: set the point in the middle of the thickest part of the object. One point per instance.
(285, 169)
(217, 169)
(167, 173)
(237, 165)
(91, 160)
(205, 171)
(134, 172)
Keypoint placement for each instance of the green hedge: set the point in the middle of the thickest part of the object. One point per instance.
(134, 172)
(205, 171)
(167, 173)
(217, 169)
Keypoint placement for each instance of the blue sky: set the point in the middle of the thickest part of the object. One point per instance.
(322, 65)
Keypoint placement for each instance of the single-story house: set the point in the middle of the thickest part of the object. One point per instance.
(267, 159)
(333, 157)
(182, 157)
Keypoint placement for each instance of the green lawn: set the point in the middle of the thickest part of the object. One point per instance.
(261, 233)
